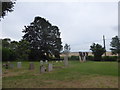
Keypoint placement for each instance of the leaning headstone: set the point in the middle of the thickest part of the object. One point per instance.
(31, 67)
(19, 65)
(42, 69)
(66, 60)
(50, 67)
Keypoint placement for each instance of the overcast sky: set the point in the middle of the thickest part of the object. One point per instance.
(80, 23)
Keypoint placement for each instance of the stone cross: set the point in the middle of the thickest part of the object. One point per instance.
(19, 65)
(31, 67)
(50, 67)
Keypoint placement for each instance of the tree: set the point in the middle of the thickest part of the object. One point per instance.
(6, 42)
(8, 49)
(5, 54)
(98, 51)
(44, 39)
(23, 50)
(115, 44)
(67, 49)
(7, 6)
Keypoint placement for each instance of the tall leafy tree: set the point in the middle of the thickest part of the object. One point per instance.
(115, 44)
(7, 6)
(98, 51)
(44, 39)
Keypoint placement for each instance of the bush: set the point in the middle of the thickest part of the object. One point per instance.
(74, 58)
(90, 58)
(104, 58)
(109, 58)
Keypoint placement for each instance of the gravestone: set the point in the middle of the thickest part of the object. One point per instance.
(11, 65)
(31, 66)
(46, 61)
(50, 67)
(42, 69)
(56, 61)
(19, 65)
(41, 62)
(66, 60)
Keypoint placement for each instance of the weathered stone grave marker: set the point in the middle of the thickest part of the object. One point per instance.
(42, 69)
(50, 67)
(46, 61)
(41, 62)
(31, 66)
(19, 65)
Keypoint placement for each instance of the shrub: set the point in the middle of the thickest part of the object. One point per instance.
(91, 58)
(109, 58)
(74, 58)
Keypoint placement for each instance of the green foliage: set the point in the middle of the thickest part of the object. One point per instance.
(90, 58)
(115, 44)
(44, 39)
(23, 50)
(109, 58)
(7, 6)
(98, 51)
(7, 54)
(6, 42)
(104, 58)
(74, 58)
(13, 50)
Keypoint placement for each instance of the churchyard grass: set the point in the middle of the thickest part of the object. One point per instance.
(77, 75)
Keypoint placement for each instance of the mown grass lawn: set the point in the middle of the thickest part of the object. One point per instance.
(76, 75)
